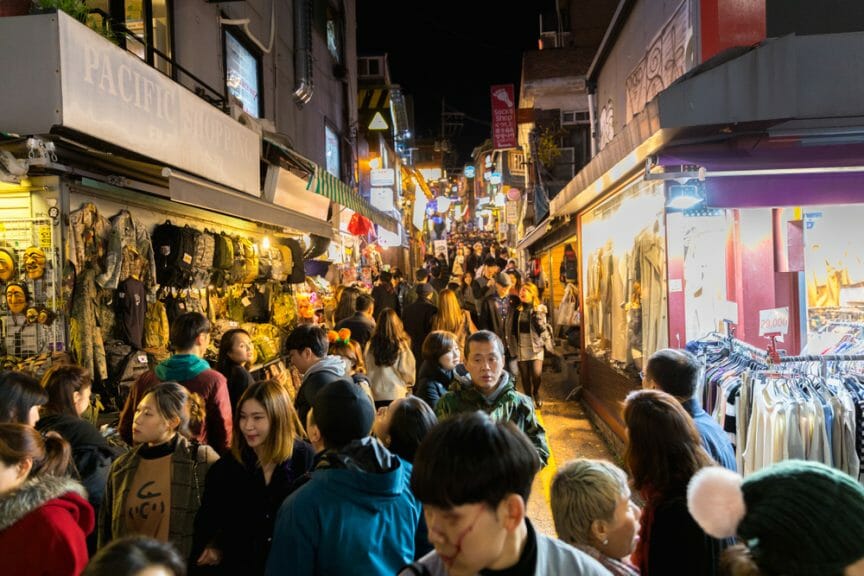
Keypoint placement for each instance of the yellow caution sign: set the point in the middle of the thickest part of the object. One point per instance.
(378, 122)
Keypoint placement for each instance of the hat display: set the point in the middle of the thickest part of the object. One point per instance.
(796, 517)
(502, 279)
(343, 412)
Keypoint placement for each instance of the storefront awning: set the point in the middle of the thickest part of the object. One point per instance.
(768, 89)
(534, 235)
(328, 185)
(322, 182)
(194, 191)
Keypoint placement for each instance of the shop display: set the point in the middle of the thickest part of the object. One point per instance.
(624, 274)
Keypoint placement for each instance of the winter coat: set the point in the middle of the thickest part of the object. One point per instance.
(432, 383)
(91, 453)
(130, 253)
(323, 372)
(391, 382)
(554, 558)
(417, 321)
(193, 373)
(237, 379)
(505, 404)
(361, 327)
(239, 510)
(356, 515)
(385, 297)
(538, 326)
(43, 528)
(189, 466)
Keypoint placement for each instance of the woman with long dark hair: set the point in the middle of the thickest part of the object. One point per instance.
(20, 398)
(441, 354)
(346, 305)
(235, 355)
(664, 451)
(390, 363)
(44, 516)
(68, 387)
(156, 488)
(244, 490)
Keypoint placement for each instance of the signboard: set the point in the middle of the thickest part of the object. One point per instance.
(419, 216)
(110, 94)
(241, 70)
(389, 239)
(383, 177)
(774, 321)
(431, 174)
(511, 211)
(378, 122)
(381, 198)
(503, 116)
(439, 249)
(469, 171)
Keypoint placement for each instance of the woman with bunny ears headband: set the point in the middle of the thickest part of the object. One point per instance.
(795, 518)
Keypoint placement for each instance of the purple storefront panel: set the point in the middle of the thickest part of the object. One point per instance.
(784, 190)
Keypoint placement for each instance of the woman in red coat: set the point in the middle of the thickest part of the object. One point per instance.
(44, 517)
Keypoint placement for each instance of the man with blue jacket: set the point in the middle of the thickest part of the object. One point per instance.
(357, 514)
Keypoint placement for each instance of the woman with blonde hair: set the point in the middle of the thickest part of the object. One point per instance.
(452, 318)
(390, 364)
(527, 335)
(244, 490)
(156, 488)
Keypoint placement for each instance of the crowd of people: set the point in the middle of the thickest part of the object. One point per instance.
(407, 449)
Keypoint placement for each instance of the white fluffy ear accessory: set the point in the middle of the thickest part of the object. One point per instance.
(716, 502)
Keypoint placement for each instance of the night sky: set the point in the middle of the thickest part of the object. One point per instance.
(452, 50)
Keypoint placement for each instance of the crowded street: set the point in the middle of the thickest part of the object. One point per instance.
(387, 288)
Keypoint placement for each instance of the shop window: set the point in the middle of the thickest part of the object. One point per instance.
(332, 151)
(334, 34)
(565, 165)
(572, 117)
(370, 67)
(624, 277)
(243, 72)
(149, 29)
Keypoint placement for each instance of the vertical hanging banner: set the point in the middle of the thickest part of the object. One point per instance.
(503, 116)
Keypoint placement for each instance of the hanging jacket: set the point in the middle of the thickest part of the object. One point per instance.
(88, 238)
(130, 253)
(43, 528)
(355, 515)
(504, 404)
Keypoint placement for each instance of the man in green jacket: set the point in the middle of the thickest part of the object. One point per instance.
(492, 390)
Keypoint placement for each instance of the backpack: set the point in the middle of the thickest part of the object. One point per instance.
(223, 258)
(156, 329)
(251, 261)
(174, 251)
(125, 366)
(202, 261)
(297, 274)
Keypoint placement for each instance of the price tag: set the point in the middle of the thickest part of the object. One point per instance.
(774, 321)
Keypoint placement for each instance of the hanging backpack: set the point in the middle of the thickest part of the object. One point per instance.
(223, 258)
(202, 261)
(297, 274)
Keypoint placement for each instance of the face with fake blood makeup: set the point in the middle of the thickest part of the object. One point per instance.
(468, 538)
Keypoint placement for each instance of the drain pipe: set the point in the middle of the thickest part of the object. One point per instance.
(304, 86)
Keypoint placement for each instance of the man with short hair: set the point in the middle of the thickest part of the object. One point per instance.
(421, 277)
(473, 476)
(488, 387)
(676, 372)
(362, 322)
(190, 335)
(356, 514)
(307, 346)
(496, 315)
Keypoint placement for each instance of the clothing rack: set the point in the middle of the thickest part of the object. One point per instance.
(739, 346)
(822, 359)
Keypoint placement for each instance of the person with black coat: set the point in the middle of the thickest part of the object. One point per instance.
(440, 356)
(307, 346)
(418, 317)
(362, 322)
(384, 294)
(68, 388)
(244, 490)
(235, 354)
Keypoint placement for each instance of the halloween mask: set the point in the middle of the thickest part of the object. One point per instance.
(7, 265)
(16, 298)
(32, 315)
(34, 263)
